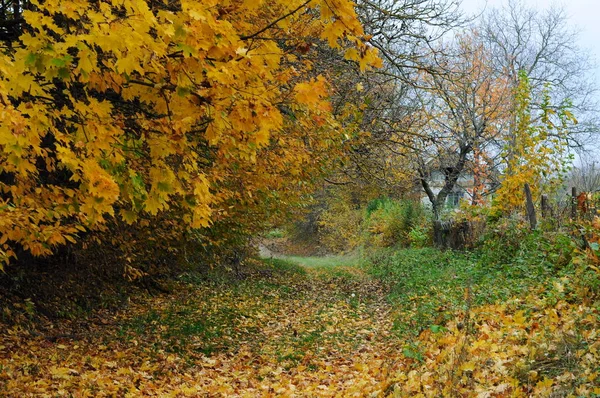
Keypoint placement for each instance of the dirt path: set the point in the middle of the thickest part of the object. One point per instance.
(298, 332)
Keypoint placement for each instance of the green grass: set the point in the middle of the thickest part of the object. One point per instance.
(429, 286)
(322, 262)
(224, 310)
(340, 268)
(284, 265)
(219, 313)
(275, 233)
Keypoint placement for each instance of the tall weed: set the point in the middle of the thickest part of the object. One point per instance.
(390, 223)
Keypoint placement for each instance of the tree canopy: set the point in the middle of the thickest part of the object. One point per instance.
(126, 109)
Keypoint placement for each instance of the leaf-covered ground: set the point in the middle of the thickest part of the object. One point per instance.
(296, 332)
(319, 330)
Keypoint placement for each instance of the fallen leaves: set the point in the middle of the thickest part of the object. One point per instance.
(298, 335)
(507, 351)
(322, 333)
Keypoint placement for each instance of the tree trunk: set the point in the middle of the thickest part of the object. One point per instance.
(545, 206)
(529, 206)
(451, 175)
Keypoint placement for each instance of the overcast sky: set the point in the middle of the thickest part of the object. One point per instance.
(583, 14)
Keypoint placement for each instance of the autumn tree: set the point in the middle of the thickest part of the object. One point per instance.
(127, 110)
(374, 112)
(406, 31)
(535, 153)
(464, 112)
(543, 45)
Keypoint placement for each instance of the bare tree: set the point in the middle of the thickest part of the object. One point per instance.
(585, 177)
(406, 31)
(544, 46)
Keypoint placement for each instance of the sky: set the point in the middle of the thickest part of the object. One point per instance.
(583, 14)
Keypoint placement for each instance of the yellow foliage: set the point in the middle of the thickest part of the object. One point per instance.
(340, 223)
(144, 107)
(535, 151)
(497, 351)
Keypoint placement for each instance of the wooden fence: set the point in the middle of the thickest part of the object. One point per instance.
(463, 234)
(457, 235)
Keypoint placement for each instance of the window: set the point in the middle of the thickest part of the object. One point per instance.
(453, 199)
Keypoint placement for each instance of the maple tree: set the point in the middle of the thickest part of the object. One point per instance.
(126, 109)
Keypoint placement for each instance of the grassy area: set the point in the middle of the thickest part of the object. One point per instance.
(428, 286)
(277, 327)
(222, 313)
(403, 322)
(323, 262)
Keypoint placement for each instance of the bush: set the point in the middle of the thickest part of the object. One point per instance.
(587, 260)
(428, 286)
(419, 236)
(340, 224)
(512, 242)
(395, 223)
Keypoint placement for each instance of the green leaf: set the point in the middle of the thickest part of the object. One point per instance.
(30, 59)
(182, 91)
(64, 73)
(61, 62)
(409, 352)
(164, 187)
(187, 50)
(436, 328)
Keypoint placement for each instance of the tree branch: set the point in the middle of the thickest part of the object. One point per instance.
(269, 26)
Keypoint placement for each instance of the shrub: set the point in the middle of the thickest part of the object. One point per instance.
(512, 242)
(340, 225)
(419, 236)
(395, 223)
(587, 260)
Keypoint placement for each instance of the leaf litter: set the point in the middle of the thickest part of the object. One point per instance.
(315, 332)
(312, 333)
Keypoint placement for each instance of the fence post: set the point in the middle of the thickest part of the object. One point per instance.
(574, 203)
(545, 206)
(530, 207)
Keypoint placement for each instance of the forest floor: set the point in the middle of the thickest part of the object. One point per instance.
(415, 323)
(283, 330)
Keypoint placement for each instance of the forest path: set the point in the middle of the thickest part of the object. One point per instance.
(286, 330)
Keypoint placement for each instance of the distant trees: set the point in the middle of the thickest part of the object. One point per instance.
(451, 107)
(585, 176)
(218, 117)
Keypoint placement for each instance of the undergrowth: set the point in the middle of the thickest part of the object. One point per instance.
(428, 286)
(517, 317)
